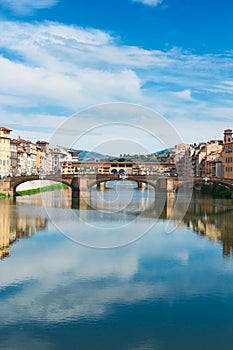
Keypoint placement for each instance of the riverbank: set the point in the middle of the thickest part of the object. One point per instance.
(216, 191)
(48, 188)
(33, 187)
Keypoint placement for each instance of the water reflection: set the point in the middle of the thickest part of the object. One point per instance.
(207, 216)
(55, 294)
(17, 222)
(212, 218)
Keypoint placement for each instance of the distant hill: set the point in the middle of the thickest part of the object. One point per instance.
(163, 154)
(164, 151)
(88, 155)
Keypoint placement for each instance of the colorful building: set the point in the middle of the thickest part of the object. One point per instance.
(203, 163)
(26, 157)
(5, 151)
(106, 168)
(213, 164)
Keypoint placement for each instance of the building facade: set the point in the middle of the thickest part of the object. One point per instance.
(106, 168)
(5, 151)
(207, 159)
(44, 162)
(14, 158)
(227, 154)
(182, 159)
(26, 157)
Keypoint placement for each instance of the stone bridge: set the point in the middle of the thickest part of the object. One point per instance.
(81, 185)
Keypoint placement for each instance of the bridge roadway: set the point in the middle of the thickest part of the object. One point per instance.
(81, 184)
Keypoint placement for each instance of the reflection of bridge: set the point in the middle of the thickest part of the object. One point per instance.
(81, 185)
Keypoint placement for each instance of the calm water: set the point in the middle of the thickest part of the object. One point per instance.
(161, 291)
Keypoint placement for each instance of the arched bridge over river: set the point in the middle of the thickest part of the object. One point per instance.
(81, 185)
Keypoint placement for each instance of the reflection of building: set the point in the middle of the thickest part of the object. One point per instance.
(15, 225)
(6, 235)
(227, 154)
(211, 218)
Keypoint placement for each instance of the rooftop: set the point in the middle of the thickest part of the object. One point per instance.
(4, 129)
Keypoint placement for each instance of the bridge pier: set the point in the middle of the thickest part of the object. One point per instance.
(5, 187)
(75, 192)
(80, 203)
(171, 194)
(81, 186)
(171, 188)
(80, 192)
(142, 185)
(101, 186)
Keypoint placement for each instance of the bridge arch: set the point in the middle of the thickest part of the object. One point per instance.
(226, 183)
(133, 178)
(18, 181)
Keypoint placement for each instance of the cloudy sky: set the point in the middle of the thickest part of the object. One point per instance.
(59, 58)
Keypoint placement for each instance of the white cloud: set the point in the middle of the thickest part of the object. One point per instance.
(72, 91)
(67, 68)
(27, 7)
(185, 95)
(152, 3)
(57, 46)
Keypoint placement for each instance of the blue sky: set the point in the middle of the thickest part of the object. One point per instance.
(59, 57)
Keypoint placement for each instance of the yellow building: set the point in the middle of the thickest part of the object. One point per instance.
(5, 151)
(106, 168)
(136, 168)
(39, 159)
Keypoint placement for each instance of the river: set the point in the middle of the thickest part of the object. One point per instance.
(115, 272)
